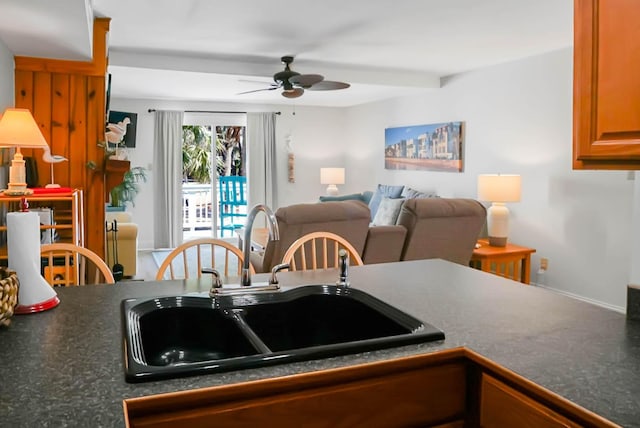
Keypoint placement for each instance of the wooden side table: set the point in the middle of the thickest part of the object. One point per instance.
(512, 261)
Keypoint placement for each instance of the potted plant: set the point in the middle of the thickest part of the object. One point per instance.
(128, 189)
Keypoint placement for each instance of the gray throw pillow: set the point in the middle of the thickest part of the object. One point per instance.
(388, 212)
(410, 193)
(382, 191)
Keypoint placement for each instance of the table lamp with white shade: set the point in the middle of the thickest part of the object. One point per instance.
(498, 189)
(332, 176)
(19, 129)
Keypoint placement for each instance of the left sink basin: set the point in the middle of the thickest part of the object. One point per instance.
(179, 336)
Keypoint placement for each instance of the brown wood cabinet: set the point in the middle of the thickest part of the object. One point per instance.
(606, 84)
(446, 389)
(503, 406)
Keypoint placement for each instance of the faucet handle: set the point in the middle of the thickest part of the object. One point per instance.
(344, 268)
(217, 282)
(277, 268)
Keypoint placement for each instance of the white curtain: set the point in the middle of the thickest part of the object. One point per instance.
(167, 156)
(261, 159)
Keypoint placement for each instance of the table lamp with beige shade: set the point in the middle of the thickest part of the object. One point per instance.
(18, 129)
(498, 189)
(332, 176)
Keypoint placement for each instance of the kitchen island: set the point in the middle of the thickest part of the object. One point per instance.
(64, 367)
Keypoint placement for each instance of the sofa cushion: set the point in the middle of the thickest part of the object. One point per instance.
(445, 228)
(410, 193)
(388, 212)
(382, 191)
(384, 244)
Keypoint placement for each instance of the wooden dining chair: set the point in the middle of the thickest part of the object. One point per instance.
(319, 250)
(69, 264)
(188, 259)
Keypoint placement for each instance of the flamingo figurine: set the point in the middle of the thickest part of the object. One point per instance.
(51, 159)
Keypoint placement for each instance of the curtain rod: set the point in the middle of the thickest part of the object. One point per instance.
(152, 110)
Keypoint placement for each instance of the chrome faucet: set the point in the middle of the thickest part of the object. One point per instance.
(274, 235)
(343, 268)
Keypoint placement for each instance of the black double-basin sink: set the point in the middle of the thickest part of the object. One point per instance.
(187, 335)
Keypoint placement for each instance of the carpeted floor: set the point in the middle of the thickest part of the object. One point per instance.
(192, 261)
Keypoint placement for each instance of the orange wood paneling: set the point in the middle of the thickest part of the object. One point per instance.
(78, 132)
(95, 216)
(97, 66)
(67, 99)
(24, 89)
(60, 123)
(606, 106)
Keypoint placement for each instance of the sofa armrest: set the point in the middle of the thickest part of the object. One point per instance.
(384, 244)
(126, 231)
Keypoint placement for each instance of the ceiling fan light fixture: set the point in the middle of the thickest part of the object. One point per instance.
(293, 83)
(293, 93)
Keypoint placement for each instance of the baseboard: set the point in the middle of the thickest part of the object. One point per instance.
(615, 308)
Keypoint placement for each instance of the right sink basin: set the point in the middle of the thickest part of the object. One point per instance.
(315, 316)
(188, 335)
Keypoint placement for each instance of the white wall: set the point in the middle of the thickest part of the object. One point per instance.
(518, 119)
(317, 136)
(6, 78)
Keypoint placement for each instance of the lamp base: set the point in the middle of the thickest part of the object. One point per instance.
(52, 186)
(332, 190)
(495, 241)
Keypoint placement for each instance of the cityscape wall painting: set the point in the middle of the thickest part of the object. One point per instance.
(435, 147)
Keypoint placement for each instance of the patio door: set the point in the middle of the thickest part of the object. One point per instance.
(213, 146)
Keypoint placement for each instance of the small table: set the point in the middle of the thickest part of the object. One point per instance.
(259, 238)
(512, 261)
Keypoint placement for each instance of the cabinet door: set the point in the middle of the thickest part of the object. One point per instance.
(502, 406)
(606, 93)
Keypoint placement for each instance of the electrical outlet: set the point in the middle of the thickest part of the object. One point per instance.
(544, 263)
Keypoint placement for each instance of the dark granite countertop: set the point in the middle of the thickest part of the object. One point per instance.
(64, 367)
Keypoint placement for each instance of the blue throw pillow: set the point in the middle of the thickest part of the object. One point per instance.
(383, 190)
(351, 197)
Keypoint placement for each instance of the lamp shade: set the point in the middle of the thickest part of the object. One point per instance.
(331, 175)
(499, 188)
(18, 128)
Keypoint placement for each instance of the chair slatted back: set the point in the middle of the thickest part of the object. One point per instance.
(319, 250)
(232, 196)
(70, 265)
(188, 259)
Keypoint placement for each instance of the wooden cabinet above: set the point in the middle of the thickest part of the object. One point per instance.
(606, 84)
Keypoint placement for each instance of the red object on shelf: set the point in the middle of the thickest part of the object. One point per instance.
(51, 190)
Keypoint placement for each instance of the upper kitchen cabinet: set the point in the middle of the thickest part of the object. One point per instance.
(606, 84)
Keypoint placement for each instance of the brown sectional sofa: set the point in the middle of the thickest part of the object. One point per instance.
(426, 228)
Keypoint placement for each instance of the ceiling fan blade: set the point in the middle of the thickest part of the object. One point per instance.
(258, 90)
(306, 80)
(293, 93)
(328, 85)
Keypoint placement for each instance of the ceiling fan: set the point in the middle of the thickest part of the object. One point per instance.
(293, 84)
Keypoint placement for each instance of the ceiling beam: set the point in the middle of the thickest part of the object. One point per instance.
(266, 67)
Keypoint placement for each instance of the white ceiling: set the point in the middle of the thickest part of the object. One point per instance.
(211, 50)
